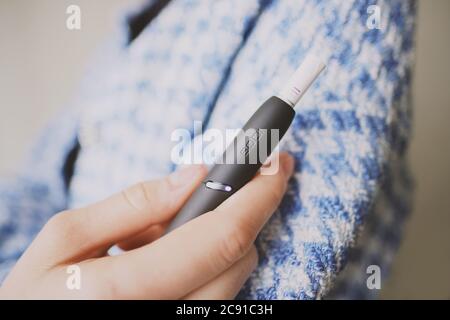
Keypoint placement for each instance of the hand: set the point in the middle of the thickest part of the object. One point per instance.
(209, 257)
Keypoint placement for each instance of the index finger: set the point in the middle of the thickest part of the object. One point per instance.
(203, 248)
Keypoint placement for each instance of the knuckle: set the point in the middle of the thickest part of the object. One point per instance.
(235, 243)
(64, 227)
(137, 196)
(60, 222)
(146, 195)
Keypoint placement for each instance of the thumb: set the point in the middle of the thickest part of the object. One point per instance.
(80, 231)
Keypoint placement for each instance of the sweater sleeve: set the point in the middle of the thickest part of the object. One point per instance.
(38, 191)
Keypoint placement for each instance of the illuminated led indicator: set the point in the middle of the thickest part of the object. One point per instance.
(218, 186)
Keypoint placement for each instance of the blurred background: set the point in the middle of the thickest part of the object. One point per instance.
(41, 63)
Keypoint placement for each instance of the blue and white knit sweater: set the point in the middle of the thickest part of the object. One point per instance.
(216, 61)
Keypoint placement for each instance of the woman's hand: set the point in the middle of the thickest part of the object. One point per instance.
(209, 257)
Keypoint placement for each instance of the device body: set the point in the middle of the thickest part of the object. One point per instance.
(241, 160)
(254, 143)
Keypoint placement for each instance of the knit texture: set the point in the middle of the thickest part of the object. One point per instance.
(217, 61)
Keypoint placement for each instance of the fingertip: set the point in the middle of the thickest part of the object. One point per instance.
(287, 164)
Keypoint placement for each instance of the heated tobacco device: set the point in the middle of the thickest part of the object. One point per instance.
(250, 148)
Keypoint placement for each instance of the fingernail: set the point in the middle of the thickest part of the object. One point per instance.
(185, 175)
(287, 164)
